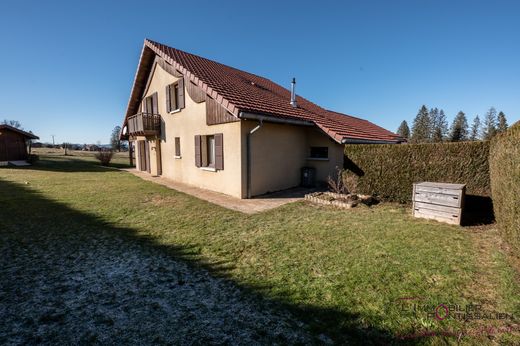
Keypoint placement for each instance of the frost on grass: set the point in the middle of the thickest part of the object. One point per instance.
(102, 289)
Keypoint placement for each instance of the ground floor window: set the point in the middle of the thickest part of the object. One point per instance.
(177, 147)
(319, 153)
(209, 151)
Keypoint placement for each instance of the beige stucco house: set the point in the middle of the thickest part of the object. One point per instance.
(206, 124)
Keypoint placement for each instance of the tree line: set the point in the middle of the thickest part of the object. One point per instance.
(431, 126)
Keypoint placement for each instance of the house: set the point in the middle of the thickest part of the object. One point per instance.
(90, 147)
(203, 123)
(14, 143)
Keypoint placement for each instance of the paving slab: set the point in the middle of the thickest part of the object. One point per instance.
(248, 206)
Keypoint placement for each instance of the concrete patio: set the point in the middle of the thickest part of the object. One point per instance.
(248, 206)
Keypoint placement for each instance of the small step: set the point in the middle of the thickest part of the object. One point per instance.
(19, 163)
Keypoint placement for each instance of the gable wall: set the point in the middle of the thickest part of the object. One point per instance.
(187, 123)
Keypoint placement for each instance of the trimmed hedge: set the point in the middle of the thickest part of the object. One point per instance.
(504, 165)
(390, 170)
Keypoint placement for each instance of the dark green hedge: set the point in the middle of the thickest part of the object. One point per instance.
(389, 171)
(504, 165)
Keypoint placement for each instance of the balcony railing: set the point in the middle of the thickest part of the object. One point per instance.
(144, 124)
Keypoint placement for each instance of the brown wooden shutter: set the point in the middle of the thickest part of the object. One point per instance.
(219, 151)
(155, 104)
(145, 105)
(198, 156)
(180, 94)
(142, 156)
(177, 146)
(168, 103)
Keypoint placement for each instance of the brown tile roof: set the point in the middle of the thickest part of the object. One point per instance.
(239, 91)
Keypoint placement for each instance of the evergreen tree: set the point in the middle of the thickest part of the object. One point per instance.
(459, 128)
(421, 127)
(490, 124)
(443, 124)
(502, 122)
(433, 115)
(404, 130)
(440, 126)
(475, 129)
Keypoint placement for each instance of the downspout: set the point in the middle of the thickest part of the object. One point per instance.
(248, 149)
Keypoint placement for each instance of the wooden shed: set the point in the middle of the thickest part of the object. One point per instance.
(14, 143)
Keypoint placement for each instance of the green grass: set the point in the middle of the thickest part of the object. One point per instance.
(341, 272)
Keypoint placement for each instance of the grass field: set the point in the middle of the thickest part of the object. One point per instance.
(93, 254)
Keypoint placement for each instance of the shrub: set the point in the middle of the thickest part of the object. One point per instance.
(32, 158)
(104, 156)
(389, 171)
(336, 183)
(504, 164)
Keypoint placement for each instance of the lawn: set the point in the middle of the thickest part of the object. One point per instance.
(94, 254)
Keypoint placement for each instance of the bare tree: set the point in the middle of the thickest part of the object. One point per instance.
(13, 123)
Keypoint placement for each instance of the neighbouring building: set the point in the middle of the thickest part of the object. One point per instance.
(14, 143)
(203, 123)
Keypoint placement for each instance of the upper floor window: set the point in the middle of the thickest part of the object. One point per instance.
(175, 96)
(150, 104)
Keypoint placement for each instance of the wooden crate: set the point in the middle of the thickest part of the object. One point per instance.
(439, 201)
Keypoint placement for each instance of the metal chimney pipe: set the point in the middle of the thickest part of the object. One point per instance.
(293, 93)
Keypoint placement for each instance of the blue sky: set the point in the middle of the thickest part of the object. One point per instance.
(66, 67)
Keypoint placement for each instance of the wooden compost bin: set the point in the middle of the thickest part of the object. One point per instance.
(439, 201)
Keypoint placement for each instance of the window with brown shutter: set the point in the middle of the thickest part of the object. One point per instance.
(219, 151)
(177, 147)
(175, 96)
(209, 151)
(150, 104)
(180, 93)
(168, 99)
(198, 154)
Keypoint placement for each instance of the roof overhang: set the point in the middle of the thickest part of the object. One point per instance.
(274, 119)
(347, 140)
(14, 129)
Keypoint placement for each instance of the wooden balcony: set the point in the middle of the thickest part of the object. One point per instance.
(144, 124)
